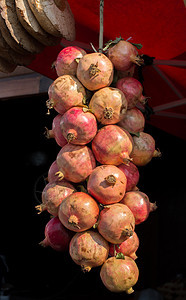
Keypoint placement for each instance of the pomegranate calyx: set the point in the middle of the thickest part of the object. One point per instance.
(48, 133)
(108, 113)
(40, 208)
(138, 60)
(49, 105)
(111, 179)
(153, 206)
(129, 291)
(73, 220)
(70, 137)
(60, 175)
(85, 269)
(157, 153)
(127, 232)
(120, 255)
(93, 70)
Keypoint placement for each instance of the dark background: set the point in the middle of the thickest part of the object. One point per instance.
(42, 273)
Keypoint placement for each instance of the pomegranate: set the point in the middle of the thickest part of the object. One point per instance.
(88, 249)
(65, 92)
(127, 73)
(52, 172)
(143, 149)
(112, 145)
(119, 275)
(116, 223)
(132, 89)
(53, 194)
(132, 174)
(128, 247)
(139, 204)
(75, 162)
(67, 60)
(78, 127)
(123, 55)
(133, 121)
(107, 184)
(95, 71)
(109, 105)
(56, 235)
(55, 132)
(78, 212)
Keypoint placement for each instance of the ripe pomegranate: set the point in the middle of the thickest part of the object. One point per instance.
(57, 236)
(116, 223)
(112, 145)
(139, 204)
(132, 89)
(78, 212)
(107, 184)
(78, 127)
(67, 60)
(52, 172)
(55, 132)
(132, 174)
(128, 247)
(88, 249)
(95, 71)
(124, 55)
(133, 120)
(75, 162)
(119, 275)
(53, 194)
(109, 105)
(143, 149)
(65, 92)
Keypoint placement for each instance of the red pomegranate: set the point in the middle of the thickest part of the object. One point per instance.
(124, 55)
(52, 172)
(143, 149)
(95, 71)
(132, 89)
(132, 174)
(112, 145)
(107, 184)
(75, 162)
(128, 247)
(67, 60)
(109, 105)
(116, 223)
(133, 121)
(55, 132)
(78, 212)
(119, 275)
(139, 204)
(57, 236)
(65, 92)
(53, 194)
(88, 249)
(78, 127)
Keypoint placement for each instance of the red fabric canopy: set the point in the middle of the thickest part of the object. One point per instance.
(160, 27)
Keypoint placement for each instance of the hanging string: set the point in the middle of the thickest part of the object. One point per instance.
(101, 7)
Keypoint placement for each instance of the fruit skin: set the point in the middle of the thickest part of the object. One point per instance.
(78, 127)
(112, 145)
(109, 105)
(75, 162)
(56, 235)
(107, 184)
(132, 174)
(79, 212)
(95, 71)
(66, 63)
(132, 89)
(88, 249)
(128, 247)
(143, 149)
(139, 204)
(116, 223)
(52, 171)
(124, 55)
(119, 275)
(53, 194)
(133, 121)
(65, 92)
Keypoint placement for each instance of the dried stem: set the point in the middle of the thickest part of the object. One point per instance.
(101, 7)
